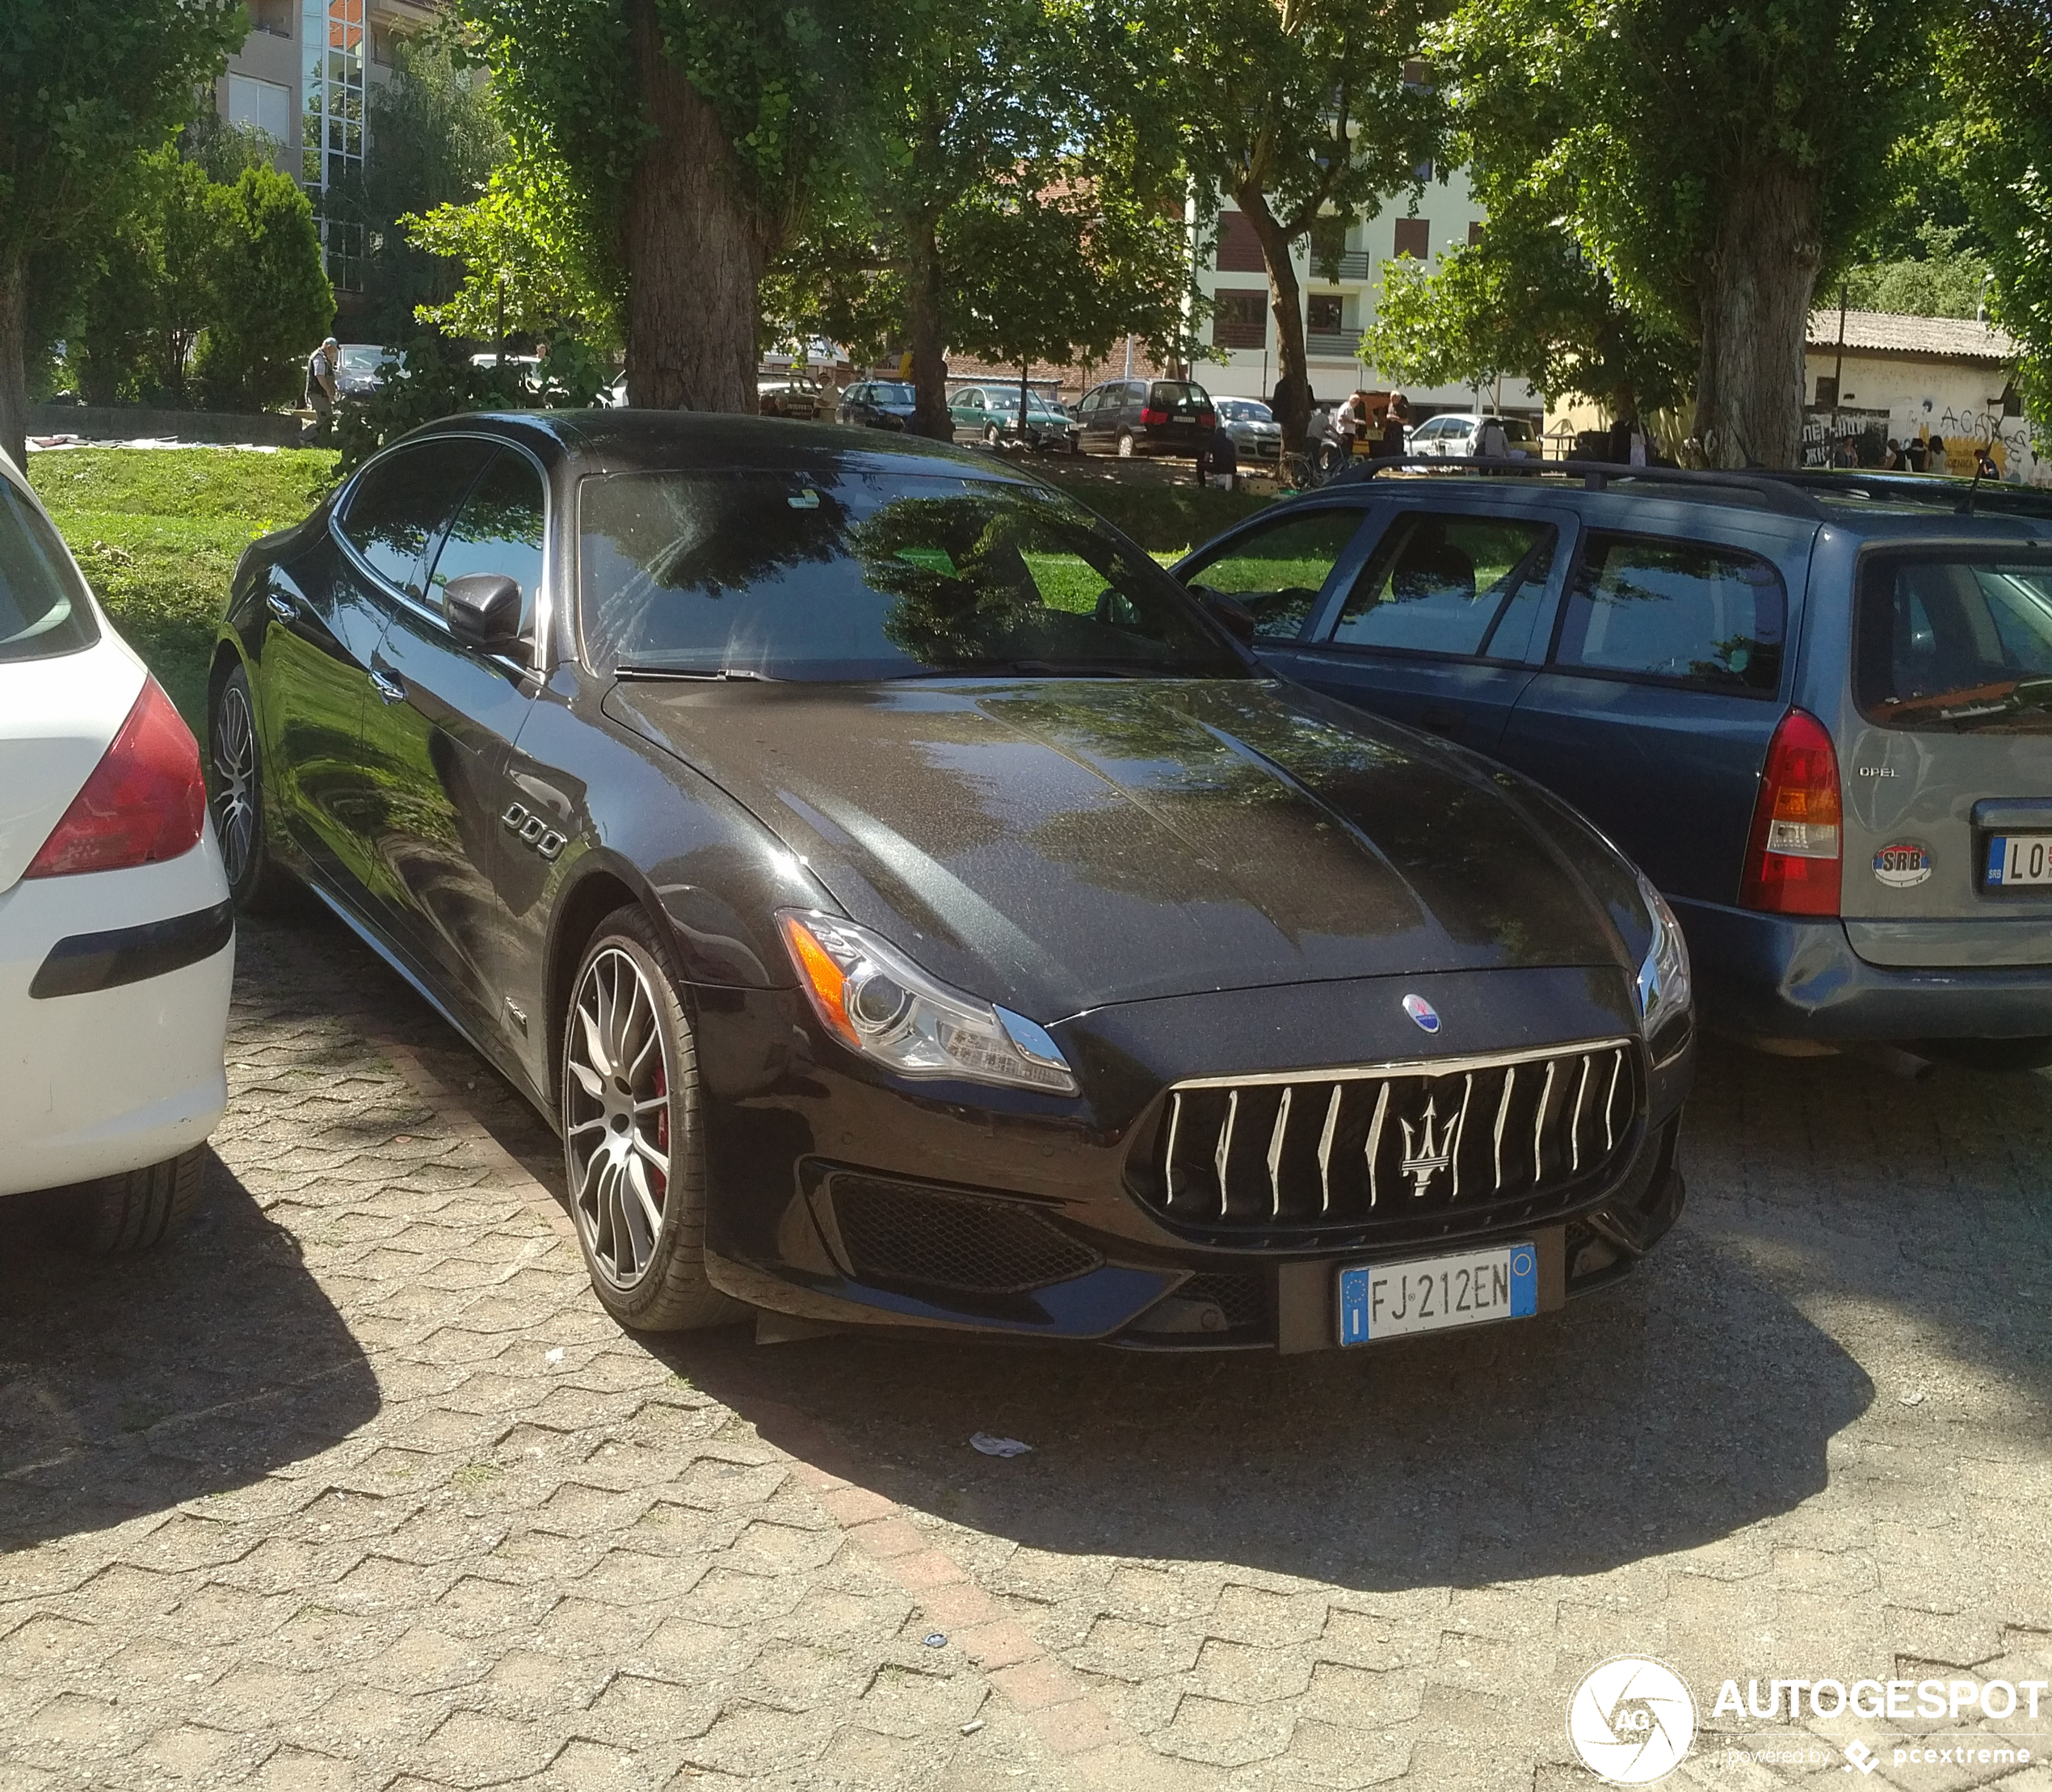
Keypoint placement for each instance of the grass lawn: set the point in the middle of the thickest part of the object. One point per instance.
(158, 531)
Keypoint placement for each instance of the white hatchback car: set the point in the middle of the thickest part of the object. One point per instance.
(1452, 434)
(116, 934)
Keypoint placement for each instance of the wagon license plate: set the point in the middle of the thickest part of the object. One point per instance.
(2020, 859)
(1391, 1300)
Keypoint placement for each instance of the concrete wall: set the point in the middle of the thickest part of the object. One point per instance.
(1961, 400)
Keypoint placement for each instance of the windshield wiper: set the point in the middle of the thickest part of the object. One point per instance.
(725, 672)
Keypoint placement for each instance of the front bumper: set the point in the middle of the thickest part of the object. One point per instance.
(1785, 978)
(842, 1197)
(114, 991)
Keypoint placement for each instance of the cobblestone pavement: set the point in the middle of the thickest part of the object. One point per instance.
(357, 1487)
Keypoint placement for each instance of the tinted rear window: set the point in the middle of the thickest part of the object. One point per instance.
(1178, 395)
(1950, 645)
(43, 608)
(1645, 606)
(854, 575)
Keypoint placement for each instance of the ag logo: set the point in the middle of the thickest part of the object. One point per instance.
(1631, 1720)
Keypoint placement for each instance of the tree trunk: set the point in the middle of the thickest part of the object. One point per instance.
(694, 249)
(1755, 288)
(14, 358)
(1286, 303)
(923, 306)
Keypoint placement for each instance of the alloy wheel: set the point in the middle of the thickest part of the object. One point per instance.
(616, 1115)
(234, 796)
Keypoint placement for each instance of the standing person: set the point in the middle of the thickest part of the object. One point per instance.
(1491, 443)
(322, 391)
(1934, 456)
(1218, 460)
(1396, 424)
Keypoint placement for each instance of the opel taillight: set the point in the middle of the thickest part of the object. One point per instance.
(1793, 859)
(1207, 419)
(146, 801)
(1152, 417)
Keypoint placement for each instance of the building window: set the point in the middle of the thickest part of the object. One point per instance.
(1474, 236)
(1322, 316)
(384, 42)
(332, 124)
(1826, 391)
(1424, 170)
(1415, 237)
(1416, 74)
(274, 17)
(1239, 249)
(1240, 318)
(261, 106)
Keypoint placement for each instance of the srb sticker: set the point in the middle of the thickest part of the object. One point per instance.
(1901, 865)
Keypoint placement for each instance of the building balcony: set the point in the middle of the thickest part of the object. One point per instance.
(1354, 265)
(1331, 345)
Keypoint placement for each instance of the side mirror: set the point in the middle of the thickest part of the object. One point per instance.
(483, 610)
(1236, 619)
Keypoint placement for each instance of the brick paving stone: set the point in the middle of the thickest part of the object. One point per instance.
(358, 1487)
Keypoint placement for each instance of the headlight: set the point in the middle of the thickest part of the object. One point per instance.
(875, 1001)
(1663, 984)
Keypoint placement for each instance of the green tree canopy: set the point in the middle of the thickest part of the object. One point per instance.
(84, 90)
(1945, 280)
(1294, 110)
(1714, 159)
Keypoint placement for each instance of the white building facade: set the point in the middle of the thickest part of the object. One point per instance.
(1242, 331)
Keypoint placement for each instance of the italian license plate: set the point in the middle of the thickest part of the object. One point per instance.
(1392, 1300)
(2020, 859)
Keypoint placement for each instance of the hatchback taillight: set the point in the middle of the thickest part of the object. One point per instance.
(1207, 419)
(1152, 417)
(146, 801)
(1793, 859)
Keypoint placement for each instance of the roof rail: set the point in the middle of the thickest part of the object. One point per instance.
(1962, 497)
(1773, 491)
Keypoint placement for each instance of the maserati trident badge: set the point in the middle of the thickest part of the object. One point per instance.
(1423, 1013)
(1424, 1158)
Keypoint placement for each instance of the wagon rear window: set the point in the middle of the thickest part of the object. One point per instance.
(43, 609)
(1954, 645)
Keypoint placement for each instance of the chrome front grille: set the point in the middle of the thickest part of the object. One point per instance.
(1388, 1144)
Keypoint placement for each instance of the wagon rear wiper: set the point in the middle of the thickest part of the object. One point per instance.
(728, 672)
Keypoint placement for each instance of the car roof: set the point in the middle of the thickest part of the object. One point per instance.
(1908, 507)
(602, 439)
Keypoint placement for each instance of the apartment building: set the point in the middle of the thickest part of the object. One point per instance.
(1336, 311)
(300, 77)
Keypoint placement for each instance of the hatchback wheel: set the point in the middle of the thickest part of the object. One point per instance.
(138, 1209)
(235, 795)
(1125, 444)
(633, 1147)
(990, 437)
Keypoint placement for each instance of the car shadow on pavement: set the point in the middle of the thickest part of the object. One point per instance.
(130, 1386)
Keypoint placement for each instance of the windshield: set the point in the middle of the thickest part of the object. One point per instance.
(1953, 645)
(890, 392)
(858, 575)
(43, 609)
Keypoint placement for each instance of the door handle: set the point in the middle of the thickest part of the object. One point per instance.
(282, 607)
(387, 687)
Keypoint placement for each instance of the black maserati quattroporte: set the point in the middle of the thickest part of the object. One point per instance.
(913, 908)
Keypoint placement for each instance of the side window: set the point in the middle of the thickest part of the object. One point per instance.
(499, 530)
(1277, 572)
(403, 499)
(1445, 584)
(1680, 610)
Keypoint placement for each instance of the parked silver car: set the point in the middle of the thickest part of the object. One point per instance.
(1253, 427)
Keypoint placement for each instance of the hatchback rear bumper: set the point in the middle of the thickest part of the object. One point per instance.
(1784, 977)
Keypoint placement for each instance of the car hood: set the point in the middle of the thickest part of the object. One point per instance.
(1058, 845)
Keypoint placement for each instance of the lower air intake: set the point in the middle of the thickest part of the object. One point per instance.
(895, 1232)
(1444, 1143)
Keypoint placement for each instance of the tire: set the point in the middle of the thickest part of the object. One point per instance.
(120, 1215)
(633, 1146)
(1126, 444)
(991, 439)
(235, 798)
(1989, 1055)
